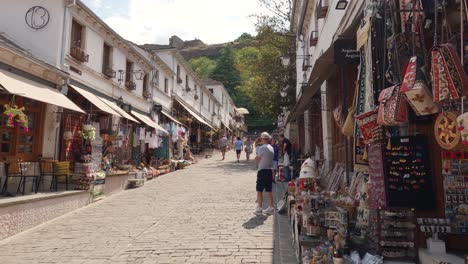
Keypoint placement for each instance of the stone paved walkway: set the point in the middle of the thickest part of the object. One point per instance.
(202, 214)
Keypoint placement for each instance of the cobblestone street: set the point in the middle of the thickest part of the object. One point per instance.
(202, 214)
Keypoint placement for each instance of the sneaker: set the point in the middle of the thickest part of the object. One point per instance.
(258, 211)
(269, 211)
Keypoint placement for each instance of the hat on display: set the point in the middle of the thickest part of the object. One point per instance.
(307, 172)
(308, 163)
(265, 135)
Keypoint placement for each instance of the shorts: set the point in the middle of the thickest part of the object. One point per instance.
(264, 180)
(238, 151)
(223, 149)
(275, 165)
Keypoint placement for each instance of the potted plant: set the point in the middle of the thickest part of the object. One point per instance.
(16, 115)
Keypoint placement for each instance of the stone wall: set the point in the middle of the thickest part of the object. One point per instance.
(22, 213)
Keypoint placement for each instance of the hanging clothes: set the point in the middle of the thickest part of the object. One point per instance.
(142, 133)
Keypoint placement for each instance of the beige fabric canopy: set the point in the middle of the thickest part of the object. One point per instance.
(145, 119)
(96, 100)
(21, 86)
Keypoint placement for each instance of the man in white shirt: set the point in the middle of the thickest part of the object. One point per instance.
(264, 161)
(223, 145)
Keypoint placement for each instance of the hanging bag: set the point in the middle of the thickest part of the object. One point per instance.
(349, 123)
(392, 109)
(462, 123)
(415, 89)
(370, 130)
(448, 77)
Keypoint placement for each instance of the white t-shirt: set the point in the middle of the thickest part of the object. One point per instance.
(266, 154)
(223, 142)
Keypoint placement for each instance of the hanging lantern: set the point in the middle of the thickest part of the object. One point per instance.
(68, 135)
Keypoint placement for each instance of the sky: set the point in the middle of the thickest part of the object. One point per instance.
(155, 21)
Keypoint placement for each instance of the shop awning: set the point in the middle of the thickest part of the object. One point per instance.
(145, 119)
(21, 86)
(199, 118)
(242, 111)
(323, 68)
(119, 110)
(172, 118)
(227, 127)
(96, 100)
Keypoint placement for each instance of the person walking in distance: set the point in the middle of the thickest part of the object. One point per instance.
(274, 144)
(287, 149)
(248, 148)
(264, 160)
(223, 145)
(239, 145)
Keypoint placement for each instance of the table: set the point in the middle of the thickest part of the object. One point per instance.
(24, 170)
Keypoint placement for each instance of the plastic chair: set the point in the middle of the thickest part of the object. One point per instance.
(61, 172)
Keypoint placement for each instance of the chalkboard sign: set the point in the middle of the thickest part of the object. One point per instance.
(408, 178)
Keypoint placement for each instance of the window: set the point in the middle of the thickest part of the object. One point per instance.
(77, 42)
(146, 91)
(187, 82)
(16, 141)
(76, 35)
(156, 78)
(166, 85)
(179, 80)
(107, 61)
(129, 75)
(211, 90)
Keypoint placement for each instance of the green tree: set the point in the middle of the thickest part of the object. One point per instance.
(225, 71)
(245, 38)
(203, 66)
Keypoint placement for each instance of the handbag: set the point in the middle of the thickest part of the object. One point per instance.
(415, 89)
(392, 110)
(448, 77)
(370, 129)
(349, 123)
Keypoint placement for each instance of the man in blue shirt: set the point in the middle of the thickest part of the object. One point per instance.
(239, 146)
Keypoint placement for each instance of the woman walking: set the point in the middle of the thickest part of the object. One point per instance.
(248, 148)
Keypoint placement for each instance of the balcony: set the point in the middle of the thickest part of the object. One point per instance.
(108, 72)
(79, 54)
(179, 80)
(188, 89)
(130, 85)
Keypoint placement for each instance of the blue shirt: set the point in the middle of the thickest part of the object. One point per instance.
(238, 144)
(275, 155)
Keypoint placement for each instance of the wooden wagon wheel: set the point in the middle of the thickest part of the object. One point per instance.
(445, 130)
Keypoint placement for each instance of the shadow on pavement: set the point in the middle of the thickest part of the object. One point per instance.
(255, 222)
(232, 165)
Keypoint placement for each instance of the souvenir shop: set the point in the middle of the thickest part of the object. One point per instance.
(111, 139)
(401, 192)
